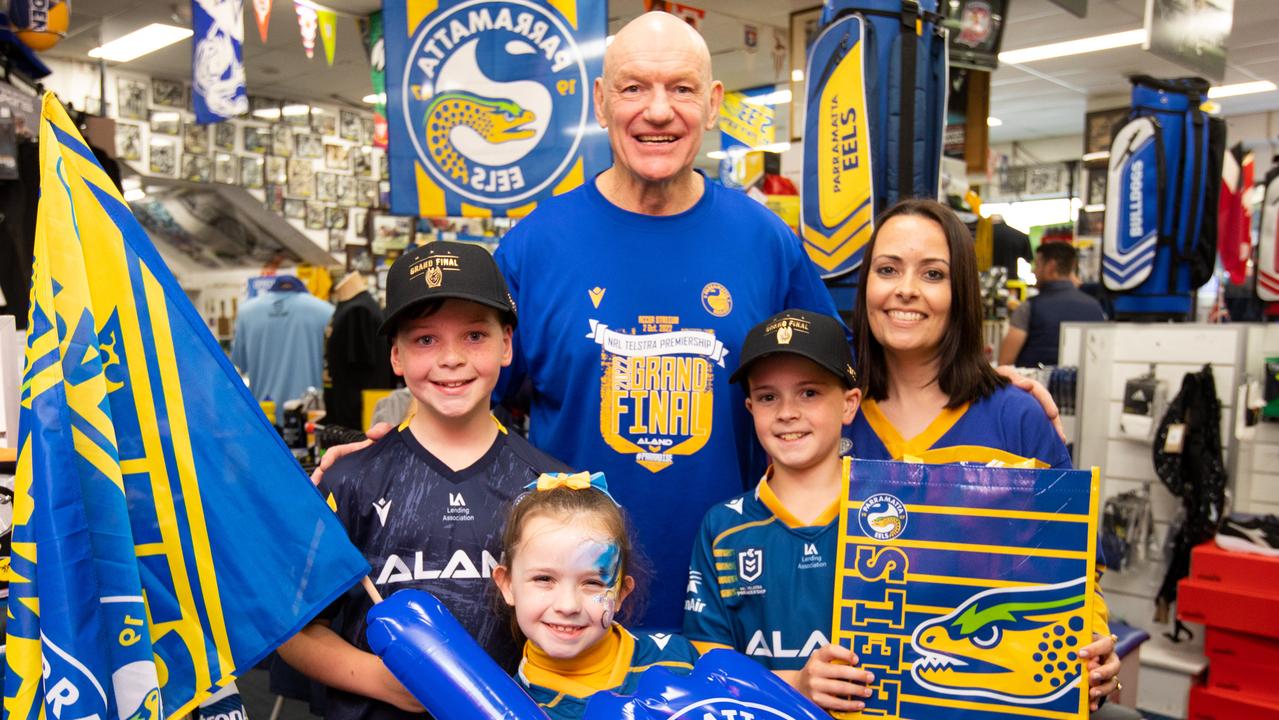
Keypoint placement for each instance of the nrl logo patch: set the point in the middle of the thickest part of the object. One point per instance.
(750, 564)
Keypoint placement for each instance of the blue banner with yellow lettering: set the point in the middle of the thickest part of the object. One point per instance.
(164, 539)
(968, 590)
(489, 103)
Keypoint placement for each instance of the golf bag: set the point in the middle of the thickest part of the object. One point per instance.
(1160, 237)
(868, 142)
(1267, 260)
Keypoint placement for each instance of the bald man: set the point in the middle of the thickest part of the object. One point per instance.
(635, 291)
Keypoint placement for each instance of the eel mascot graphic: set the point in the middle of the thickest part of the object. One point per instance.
(1017, 645)
(488, 103)
(494, 120)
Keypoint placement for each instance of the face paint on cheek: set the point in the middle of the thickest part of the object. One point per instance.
(607, 561)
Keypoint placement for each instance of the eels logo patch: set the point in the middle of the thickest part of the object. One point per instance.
(882, 517)
(717, 300)
(1018, 645)
(496, 98)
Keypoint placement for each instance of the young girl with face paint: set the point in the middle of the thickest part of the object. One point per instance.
(566, 559)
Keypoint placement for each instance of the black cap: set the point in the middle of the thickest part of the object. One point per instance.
(818, 337)
(440, 270)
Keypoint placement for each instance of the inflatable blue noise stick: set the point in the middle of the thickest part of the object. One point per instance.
(724, 685)
(438, 661)
(427, 650)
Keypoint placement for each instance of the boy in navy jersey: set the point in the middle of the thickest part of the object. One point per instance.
(762, 574)
(425, 503)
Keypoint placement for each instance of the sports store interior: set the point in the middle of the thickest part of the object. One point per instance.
(293, 196)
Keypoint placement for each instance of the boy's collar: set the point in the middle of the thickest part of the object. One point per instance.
(764, 492)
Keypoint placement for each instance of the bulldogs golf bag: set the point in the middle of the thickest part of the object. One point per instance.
(1159, 242)
(875, 112)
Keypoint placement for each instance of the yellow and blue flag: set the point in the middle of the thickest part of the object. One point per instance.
(164, 538)
(968, 590)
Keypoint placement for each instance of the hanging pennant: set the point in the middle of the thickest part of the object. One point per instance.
(374, 46)
(217, 60)
(262, 12)
(328, 22)
(308, 21)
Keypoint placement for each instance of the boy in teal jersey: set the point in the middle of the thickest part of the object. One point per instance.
(762, 576)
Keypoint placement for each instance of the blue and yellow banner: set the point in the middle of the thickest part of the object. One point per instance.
(489, 103)
(217, 60)
(968, 590)
(164, 538)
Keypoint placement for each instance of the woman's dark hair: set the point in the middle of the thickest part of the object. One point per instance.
(963, 372)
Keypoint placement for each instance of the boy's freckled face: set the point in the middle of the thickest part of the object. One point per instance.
(451, 359)
(799, 410)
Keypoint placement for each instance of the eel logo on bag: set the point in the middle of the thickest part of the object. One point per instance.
(882, 517)
(968, 651)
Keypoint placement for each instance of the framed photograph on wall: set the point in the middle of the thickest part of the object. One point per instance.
(326, 187)
(316, 216)
(309, 145)
(324, 122)
(337, 240)
(392, 232)
(301, 179)
(337, 217)
(168, 93)
(224, 136)
(277, 170)
(128, 141)
(274, 196)
(195, 139)
(164, 157)
(224, 168)
(131, 99)
(282, 140)
(804, 26)
(166, 122)
(256, 139)
(347, 192)
(294, 209)
(349, 125)
(195, 168)
(337, 157)
(251, 171)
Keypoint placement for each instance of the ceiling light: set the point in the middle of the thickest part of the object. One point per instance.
(774, 148)
(717, 154)
(777, 97)
(797, 75)
(140, 42)
(295, 110)
(1247, 88)
(1074, 47)
(267, 113)
(375, 99)
(134, 195)
(993, 122)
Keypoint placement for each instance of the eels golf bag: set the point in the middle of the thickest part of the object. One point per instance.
(1160, 237)
(868, 142)
(1267, 259)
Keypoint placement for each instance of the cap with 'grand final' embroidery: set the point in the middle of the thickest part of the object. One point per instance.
(440, 270)
(815, 336)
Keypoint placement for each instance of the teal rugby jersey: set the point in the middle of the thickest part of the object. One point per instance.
(761, 582)
(563, 696)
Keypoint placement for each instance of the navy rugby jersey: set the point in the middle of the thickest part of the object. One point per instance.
(422, 525)
(762, 582)
(614, 665)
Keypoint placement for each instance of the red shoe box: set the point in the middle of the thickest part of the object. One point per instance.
(1222, 606)
(1241, 571)
(1242, 663)
(1208, 703)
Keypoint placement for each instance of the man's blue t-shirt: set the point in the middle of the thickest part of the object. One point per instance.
(630, 326)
